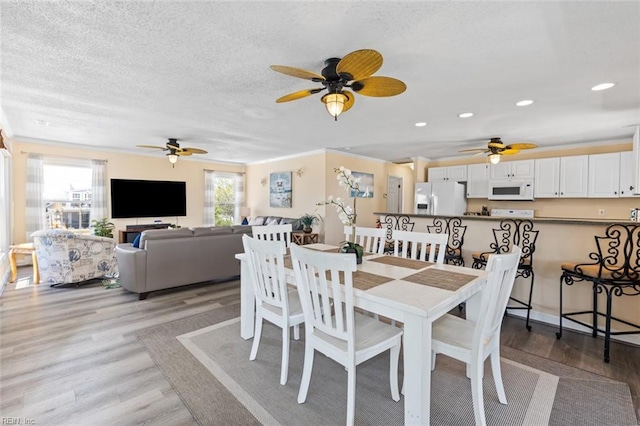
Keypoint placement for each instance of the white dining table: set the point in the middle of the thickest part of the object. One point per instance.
(416, 305)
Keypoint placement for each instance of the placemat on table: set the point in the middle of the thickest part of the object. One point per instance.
(401, 261)
(438, 278)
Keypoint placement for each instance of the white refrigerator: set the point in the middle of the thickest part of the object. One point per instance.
(440, 198)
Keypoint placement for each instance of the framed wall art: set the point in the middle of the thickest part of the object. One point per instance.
(280, 191)
(365, 185)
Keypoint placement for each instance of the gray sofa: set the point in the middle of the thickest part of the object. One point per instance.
(170, 258)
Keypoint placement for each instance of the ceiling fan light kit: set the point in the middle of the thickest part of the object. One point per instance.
(353, 71)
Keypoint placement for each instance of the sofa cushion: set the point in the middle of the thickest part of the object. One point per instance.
(296, 225)
(272, 220)
(258, 220)
(136, 241)
(163, 234)
(204, 231)
(240, 229)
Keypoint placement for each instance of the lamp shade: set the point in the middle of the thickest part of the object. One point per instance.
(245, 211)
(334, 103)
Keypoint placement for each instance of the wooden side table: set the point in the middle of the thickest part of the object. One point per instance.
(26, 248)
(302, 238)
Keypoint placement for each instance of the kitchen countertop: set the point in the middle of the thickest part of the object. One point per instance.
(556, 220)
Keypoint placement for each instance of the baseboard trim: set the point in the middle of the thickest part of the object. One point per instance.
(553, 320)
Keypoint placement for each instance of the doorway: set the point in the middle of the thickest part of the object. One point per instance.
(394, 194)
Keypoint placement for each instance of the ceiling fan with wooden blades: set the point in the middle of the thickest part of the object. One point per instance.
(496, 148)
(354, 71)
(174, 150)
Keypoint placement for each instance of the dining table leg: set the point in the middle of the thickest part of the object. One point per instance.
(417, 370)
(247, 302)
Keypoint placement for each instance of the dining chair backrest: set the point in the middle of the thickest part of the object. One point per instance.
(502, 269)
(325, 287)
(420, 245)
(371, 239)
(265, 259)
(273, 232)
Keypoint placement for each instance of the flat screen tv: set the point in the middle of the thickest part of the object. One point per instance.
(147, 198)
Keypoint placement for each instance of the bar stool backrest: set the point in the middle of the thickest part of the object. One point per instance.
(517, 232)
(453, 227)
(618, 253)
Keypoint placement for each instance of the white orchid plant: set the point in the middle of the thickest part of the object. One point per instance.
(346, 213)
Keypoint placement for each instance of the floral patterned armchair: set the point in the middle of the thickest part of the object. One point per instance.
(65, 257)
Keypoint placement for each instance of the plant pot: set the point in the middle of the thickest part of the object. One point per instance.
(307, 230)
(354, 248)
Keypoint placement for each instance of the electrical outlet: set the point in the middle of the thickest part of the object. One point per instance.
(601, 212)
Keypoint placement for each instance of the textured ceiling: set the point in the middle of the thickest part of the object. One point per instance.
(117, 74)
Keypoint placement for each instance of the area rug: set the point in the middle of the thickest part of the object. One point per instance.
(208, 365)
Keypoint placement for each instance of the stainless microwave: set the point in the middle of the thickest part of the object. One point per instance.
(511, 189)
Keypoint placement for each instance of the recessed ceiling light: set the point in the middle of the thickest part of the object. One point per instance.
(421, 124)
(524, 102)
(465, 115)
(602, 86)
(347, 148)
(42, 122)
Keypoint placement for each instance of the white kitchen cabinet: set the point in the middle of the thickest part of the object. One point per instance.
(451, 173)
(574, 172)
(636, 161)
(604, 175)
(547, 178)
(478, 180)
(627, 171)
(507, 170)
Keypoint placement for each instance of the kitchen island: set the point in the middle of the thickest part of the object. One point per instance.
(560, 240)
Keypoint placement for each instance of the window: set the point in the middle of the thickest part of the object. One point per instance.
(67, 194)
(5, 201)
(224, 195)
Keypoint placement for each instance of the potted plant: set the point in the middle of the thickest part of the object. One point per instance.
(308, 220)
(102, 227)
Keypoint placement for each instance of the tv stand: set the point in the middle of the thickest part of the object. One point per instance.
(128, 235)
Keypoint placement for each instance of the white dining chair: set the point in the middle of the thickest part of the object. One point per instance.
(331, 325)
(472, 342)
(275, 301)
(420, 245)
(273, 232)
(371, 239)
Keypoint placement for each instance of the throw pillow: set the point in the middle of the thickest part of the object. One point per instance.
(244, 221)
(136, 241)
(259, 221)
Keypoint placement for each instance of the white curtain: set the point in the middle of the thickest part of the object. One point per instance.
(210, 182)
(98, 190)
(34, 209)
(209, 198)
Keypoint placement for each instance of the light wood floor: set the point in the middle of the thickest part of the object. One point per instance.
(70, 356)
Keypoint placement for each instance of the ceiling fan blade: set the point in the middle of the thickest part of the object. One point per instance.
(297, 72)
(183, 153)
(360, 64)
(509, 151)
(474, 149)
(194, 150)
(521, 146)
(297, 95)
(151, 146)
(379, 86)
(351, 99)
(480, 153)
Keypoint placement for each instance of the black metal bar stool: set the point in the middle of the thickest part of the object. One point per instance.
(512, 232)
(453, 227)
(615, 271)
(396, 221)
